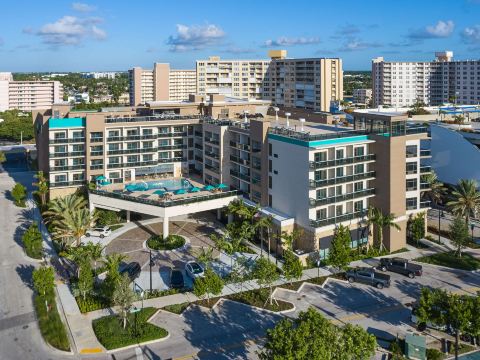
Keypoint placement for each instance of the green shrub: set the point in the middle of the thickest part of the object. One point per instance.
(112, 335)
(177, 308)
(107, 217)
(159, 293)
(157, 242)
(19, 194)
(91, 303)
(33, 242)
(50, 323)
(434, 354)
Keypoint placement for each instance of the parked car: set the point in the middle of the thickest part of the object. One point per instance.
(176, 279)
(421, 326)
(400, 266)
(194, 269)
(133, 270)
(368, 276)
(99, 231)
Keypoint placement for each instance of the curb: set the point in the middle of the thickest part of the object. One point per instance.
(139, 344)
(306, 282)
(184, 247)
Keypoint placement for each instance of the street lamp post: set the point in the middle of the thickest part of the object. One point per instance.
(151, 264)
(287, 115)
(440, 214)
(472, 226)
(276, 109)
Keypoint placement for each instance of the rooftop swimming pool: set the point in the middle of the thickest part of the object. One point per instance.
(167, 185)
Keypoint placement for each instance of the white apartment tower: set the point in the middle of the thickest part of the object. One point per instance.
(433, 82)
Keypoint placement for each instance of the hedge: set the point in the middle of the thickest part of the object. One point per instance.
(157, 242)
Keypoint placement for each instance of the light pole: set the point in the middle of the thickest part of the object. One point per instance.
(151, 264)
(276, 109)
(287, 115)
(440, 214)
(245, 112)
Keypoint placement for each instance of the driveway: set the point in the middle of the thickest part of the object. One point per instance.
(382, 312)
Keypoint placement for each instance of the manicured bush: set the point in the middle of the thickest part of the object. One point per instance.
(91, 303)
(434, 354)
(50, 323)
(32, 242)
(112, 335)
(19, 194)
(177, 308)
(449, 259)
(157, 242)
(107, 217)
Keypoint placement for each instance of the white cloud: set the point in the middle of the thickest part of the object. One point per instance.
(195, 37)
(82, 7)
(358, 45)
(285, 41)
(441, 29)
(70, 30)
(471, 34)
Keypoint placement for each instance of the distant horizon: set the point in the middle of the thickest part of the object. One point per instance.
(67, 36)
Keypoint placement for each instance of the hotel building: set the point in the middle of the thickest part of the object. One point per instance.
(160, 84)
(433, 82)
(28, 95)
(309, 176)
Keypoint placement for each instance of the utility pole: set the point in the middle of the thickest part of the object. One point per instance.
(151, 264)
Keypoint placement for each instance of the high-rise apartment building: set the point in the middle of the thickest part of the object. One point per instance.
(28, 95)
(433, 82)
(305, 176)
(160, 84)
(310, 83)
(237, 78)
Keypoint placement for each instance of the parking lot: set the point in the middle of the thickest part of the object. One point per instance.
(382, 312)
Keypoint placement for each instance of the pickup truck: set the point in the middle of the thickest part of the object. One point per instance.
(400, 266)
(368, 276)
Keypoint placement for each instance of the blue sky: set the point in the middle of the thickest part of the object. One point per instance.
(59, 35)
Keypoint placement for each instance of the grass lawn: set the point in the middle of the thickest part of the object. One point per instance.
(116, 226)
(111, 334)
(50, 323)
(177, 308)
(171, 242)
(448, 259)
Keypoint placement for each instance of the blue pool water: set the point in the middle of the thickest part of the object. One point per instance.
(168, 185)
(472, 356)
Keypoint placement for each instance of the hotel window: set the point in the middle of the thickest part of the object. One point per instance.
(60, 135)
(411, 167)
(78, 177)
(358, 186)
(78, 161)
(358, 206)
(321, 214)
(147, 132)
(114, 146)
(61, 162)
(133, 158)
(339, 210)
(113, 133)
(163, 142)
(78, 134)
(133, 145)
(114, 175)
(163, 155)
(339, 154)
(147, 144)
(269, 182)
(163, 130)
(78, 148)
(96, 135)
(359, 169)
(321, 175)
(60, 149)
(98, 162)
(339, 172)
(411, 184)
(133, 132)
(339, 190)
(411, 203)
(112, 160)
(411, 151)
(148, 157)
(321, 194)
(359, 151)
(60, 178)
(320, 156)
(178, 129)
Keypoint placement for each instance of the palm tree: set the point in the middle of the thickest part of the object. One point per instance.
(243, 211)
(262, 223)
(288, 238)
(59, 206)
(74, 223)
(437, 190)
(382, 221)
(465, 199)
(112, 263)
(95, 252)
(42, 187)
(205, 256)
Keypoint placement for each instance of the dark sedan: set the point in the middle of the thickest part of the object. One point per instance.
(176, 279)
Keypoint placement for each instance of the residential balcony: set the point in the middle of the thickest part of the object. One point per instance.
(424, 186)
(212, 141)
(239, 175)
(96, 167)
(424, 169)
(131, 164)
(244, 147)
(96, 139)
(67, 167)
(212, 154)
(132, 137)
(340, 198)
(67, 183)
(350, 160)
(240, 161)
(66, 154)
(212, 168)
(340, 180)
(96, 153)
(425, 153)
(67, 141)
(173, 134)
(337, 219)
(425, 204)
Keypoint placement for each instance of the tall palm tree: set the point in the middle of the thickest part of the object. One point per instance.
(94, 252)
(382, 221)
(263, 223)
(243, 211)
(288, 238)
(465, 199)
(74, 223)
(59, 206)
(437, 190)
(42, 187)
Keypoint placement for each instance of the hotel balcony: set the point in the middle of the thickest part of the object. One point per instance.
(337, 219)
(67, 183)
(67, 141)
(239, 175)
(425, 153)
(212, 154)
(67, 167)
(340, 198)
(238, 160)
(340, 180)
(66, 154)
(236, 145)
(424, 169)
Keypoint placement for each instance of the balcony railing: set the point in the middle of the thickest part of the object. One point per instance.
(96, 167)
(67, 167)
(67, 141)
(212, 141)
(425, 153)
(244, 147)
(67, 183)
(67, 154)
(212, 168)
(425, 204)
(173, 134)
(96, 153)
(425, 169)
(237, 174)
(131, 164)
(132, 137)
(337, 219)
(340, 180)
(424, 186)
(340, 198)
(239, 160)
(212, 154)
(349, 160)
(96, 139)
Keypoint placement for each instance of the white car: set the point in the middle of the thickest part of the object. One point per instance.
(194, 269)
(101, 232)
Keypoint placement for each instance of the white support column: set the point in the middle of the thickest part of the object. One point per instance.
(91, 207)
(219, 214)
(165, 227)
(128, 216)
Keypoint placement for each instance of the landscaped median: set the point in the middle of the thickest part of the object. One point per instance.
(449, 259)
(111, 334)
(172, 242)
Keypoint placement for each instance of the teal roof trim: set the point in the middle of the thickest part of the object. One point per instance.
(57, 123)
(318, 143)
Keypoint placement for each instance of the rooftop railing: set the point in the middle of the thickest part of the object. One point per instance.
(166, 203)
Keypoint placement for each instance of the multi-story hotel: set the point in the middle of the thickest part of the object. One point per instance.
(433, 82)
(311, 83)
(309, 176)
(160, 84)
(238, 78)
(28, 95)
(362, 96)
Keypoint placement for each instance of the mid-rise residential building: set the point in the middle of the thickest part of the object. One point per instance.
(362, 96)
(444, 80)
(237, 78)
(28, 95)
(307, 176)
(100, 75)
(314, 84)
(160, 84)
